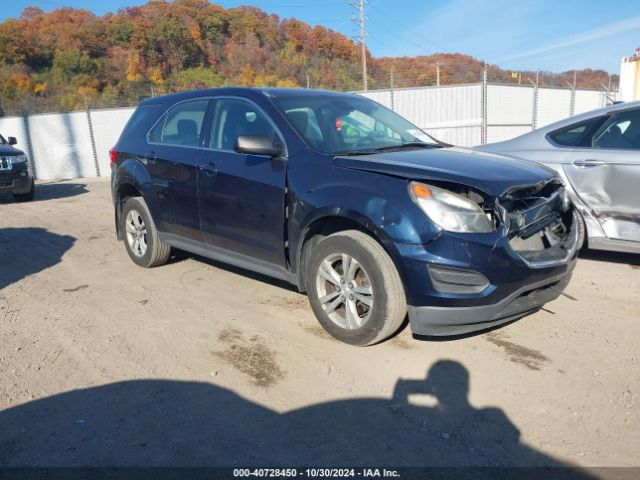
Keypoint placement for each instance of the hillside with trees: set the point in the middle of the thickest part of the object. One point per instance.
(68, 58)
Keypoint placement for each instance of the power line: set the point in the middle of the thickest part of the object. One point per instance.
(403, 26)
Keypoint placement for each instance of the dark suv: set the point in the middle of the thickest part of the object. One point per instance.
(348, 201)
(15, 176)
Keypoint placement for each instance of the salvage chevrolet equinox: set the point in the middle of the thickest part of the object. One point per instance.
(371, 217)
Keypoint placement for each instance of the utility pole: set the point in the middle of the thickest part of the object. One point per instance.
(391, 90)
(438, 74)
(360, 22)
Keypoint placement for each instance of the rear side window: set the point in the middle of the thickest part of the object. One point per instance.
(181, 125)
(622, 133)
(578, 135)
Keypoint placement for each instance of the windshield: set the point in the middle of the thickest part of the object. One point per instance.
(335, 124)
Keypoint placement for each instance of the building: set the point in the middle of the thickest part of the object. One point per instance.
(630, 77)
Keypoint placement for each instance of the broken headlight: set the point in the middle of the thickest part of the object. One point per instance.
(450, 211)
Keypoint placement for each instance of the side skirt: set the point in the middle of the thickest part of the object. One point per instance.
(226, 256)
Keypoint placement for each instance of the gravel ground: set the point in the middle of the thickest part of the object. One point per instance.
(197, 363)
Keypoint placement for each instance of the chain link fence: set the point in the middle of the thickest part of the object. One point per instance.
(485, 112)
(65, 145)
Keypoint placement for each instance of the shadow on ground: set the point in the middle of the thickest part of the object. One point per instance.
(51, 191)
(25, 251)
(170, 423)
(632, 259)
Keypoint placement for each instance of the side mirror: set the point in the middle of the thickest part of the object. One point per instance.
(12, 141)
(257, 145)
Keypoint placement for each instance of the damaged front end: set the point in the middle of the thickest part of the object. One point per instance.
(480, 280)
(540, 223)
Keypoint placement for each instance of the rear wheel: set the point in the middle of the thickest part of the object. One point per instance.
(26, 197)
(141, 236)
(354, 288)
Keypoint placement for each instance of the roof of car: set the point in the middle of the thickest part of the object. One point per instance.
(593, 113)
(272, 92)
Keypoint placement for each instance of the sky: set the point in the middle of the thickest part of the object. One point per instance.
(551, 35)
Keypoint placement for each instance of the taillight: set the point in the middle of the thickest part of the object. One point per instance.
(113, 157)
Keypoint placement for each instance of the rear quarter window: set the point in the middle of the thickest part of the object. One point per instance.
(142, 115)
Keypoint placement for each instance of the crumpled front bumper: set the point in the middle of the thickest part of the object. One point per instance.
(518, 283)
(443, 321)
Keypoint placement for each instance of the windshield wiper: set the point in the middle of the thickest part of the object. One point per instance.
(407, 144)
(349, 153)
(371, 151)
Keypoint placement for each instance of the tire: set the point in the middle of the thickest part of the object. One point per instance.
(141, 236)
(583, 239)
(340, 302)
(26, 197)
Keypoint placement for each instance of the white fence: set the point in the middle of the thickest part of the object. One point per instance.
(469, 115)
(68, 145)
(76, 144)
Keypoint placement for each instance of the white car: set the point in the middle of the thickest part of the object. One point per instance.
(597, 154)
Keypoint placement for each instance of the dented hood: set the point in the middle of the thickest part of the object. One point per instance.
(490, 173)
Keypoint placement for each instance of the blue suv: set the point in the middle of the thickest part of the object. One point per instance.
(371, 217)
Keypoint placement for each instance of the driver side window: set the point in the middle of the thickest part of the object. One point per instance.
(234, 118)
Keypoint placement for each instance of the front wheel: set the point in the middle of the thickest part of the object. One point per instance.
(141, 236)
(583, 236)
(354, 288)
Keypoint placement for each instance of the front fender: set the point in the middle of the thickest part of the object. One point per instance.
(379, 204)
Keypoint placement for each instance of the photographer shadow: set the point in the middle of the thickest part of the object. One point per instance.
(168, 423)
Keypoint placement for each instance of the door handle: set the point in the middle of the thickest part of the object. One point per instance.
(209, 169)
(589, 162)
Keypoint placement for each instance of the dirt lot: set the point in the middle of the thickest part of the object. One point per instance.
(195, 363)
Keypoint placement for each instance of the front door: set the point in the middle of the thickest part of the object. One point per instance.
(607, 176)
(242, 197)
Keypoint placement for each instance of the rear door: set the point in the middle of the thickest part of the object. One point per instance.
(606, 175)
(242, 197)
(175, 150)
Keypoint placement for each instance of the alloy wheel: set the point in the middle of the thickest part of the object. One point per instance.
(344, 291)
(136, 233)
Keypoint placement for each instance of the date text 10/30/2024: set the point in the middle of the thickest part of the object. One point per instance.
(316, 472)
